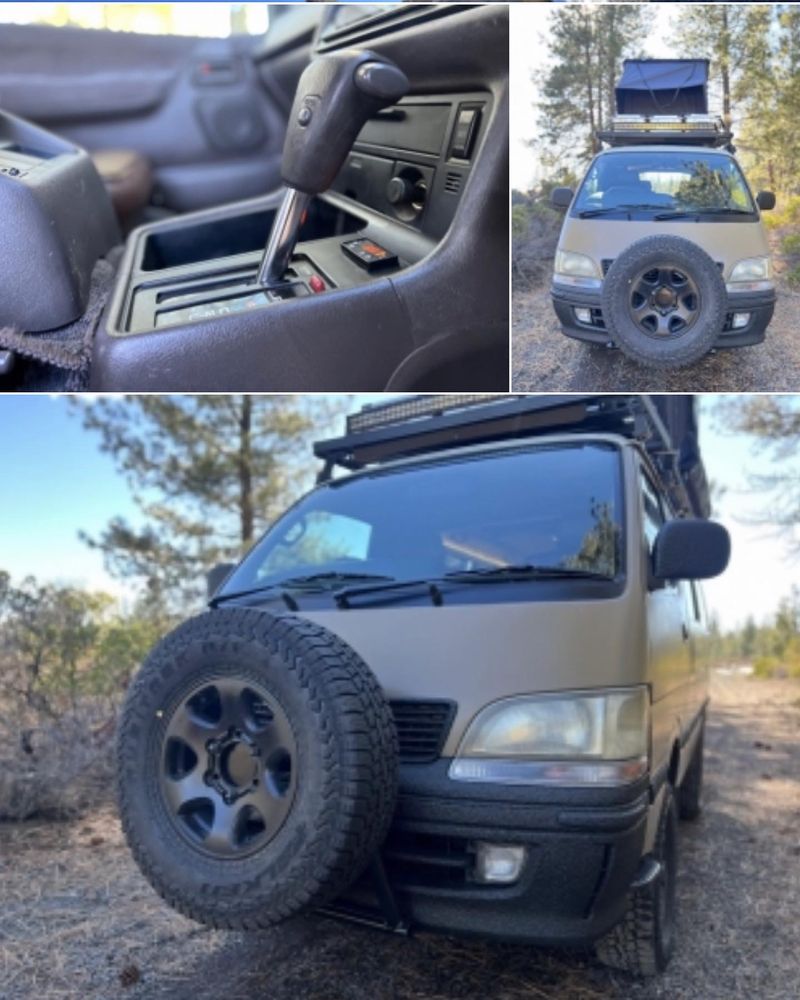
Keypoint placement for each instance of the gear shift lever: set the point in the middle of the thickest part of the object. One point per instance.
(336, 95)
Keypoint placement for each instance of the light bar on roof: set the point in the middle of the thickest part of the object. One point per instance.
(384, 414)
(666, 123)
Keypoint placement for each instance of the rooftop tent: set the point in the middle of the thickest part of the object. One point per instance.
(663, 87)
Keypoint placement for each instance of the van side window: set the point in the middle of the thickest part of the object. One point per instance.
(653, 510)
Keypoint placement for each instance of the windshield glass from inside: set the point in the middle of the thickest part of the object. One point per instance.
(649, 182)
(545, 506)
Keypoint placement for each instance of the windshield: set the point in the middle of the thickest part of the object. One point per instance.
(547, 506)
(680, 181)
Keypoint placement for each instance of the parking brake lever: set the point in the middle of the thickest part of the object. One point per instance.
(335, 97)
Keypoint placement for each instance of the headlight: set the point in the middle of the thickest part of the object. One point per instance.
(752, 269)
(584, 738)
(575, 265)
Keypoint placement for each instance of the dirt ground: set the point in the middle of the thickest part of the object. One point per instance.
(543, 359)
(79, 921)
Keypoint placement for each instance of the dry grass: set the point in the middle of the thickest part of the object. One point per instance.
(79, 921)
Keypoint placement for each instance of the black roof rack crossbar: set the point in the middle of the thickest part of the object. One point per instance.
(419, 425)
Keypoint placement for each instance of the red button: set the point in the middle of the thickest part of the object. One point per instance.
(316, 283)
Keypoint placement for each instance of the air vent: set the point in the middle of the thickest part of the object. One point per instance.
(349, 24)
(422, 728)
(452, 182)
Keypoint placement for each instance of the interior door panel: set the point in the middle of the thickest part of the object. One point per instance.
(197, 108)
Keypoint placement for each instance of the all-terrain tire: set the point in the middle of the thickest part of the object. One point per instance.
(346, 786)
(664, 352)
(643, 941)
(691, 788)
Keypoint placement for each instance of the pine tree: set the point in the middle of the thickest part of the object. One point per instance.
(587, 45)
(774, 422)
(208, 473)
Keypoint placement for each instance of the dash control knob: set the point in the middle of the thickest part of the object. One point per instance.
(399, 190)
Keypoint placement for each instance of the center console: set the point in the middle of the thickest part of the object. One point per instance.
(390, 204)
(57, 220)
(390, 240)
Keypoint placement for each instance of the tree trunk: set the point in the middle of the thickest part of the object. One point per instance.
(246, 512)
(590, 96)
(725, 65)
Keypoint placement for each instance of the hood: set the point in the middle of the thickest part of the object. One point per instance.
(478, 653)
(725, 242)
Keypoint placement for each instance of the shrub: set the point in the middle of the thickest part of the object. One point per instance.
(534, 229)
(766, 667)
(791, 243)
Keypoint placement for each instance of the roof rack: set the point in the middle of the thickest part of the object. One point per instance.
(418, 425)
(684, 130)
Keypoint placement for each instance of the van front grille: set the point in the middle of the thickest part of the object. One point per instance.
(607, 262)
(422, 728)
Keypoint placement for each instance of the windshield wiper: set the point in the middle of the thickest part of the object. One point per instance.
(313, 581)
(697, 212)
(502, 574)
(286, 597)
(342, 597)
(499, 574)
(590, 213)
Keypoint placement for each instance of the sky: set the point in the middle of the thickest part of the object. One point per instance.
(56, 482)
(529, 23)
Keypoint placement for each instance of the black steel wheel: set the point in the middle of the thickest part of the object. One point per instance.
(664, 302)
(229, 763)
(256, 767)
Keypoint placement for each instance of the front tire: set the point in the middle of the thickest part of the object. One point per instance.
(644, 940)
(691, 788)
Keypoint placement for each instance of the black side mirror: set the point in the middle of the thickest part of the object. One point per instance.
(561, 197)
(765, 200)
(217, 576)
(691, 549)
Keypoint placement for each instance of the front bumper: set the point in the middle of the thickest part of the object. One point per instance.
(584, 850)
(566, 299)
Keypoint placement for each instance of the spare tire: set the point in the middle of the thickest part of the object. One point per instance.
(664, 302)
(257, 767)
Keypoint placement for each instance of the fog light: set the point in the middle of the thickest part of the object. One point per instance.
(740, 320)
(583, 315)
(498, 863)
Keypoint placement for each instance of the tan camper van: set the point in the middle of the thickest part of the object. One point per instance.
(458, 686)
(662, 251)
